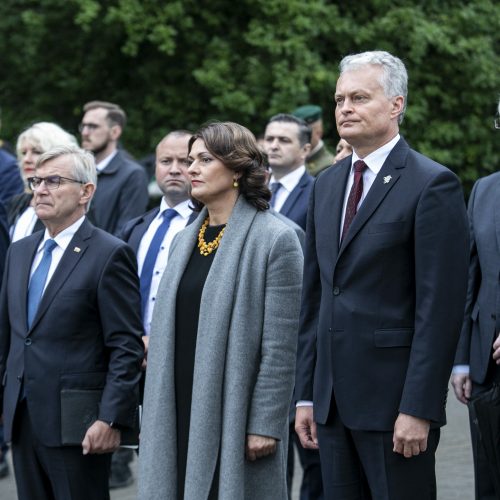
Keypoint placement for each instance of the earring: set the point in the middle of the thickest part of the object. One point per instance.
(235, 183)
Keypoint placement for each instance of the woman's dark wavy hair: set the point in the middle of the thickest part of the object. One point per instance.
(235, 146)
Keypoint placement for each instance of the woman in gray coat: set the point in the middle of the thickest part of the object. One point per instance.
(222, 350)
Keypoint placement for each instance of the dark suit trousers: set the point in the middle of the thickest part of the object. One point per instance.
(60, 473)
(484, 486)
(359, 465)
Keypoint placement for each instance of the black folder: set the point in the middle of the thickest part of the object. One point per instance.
(80, 409)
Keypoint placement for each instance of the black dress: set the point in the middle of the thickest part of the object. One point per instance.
(187, 312)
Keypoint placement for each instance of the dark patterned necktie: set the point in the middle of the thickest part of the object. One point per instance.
(275, 187)
(354, 196)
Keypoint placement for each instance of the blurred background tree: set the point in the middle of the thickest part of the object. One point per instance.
(176, 64)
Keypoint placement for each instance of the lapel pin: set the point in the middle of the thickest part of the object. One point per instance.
(76, 249)
(387, 179)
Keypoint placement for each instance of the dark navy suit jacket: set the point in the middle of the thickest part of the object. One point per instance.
(381, 312)
(482, 311)
(121, 194)
(86, 333)
(295, 206)
(11, 182)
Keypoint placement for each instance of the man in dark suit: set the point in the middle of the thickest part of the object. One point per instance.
(287, 143)
(173, 180)
(384, 290)
(69, 321)
(476, 363)
(123, 185)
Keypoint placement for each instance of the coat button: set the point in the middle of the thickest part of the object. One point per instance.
(493, 316)
(27, 341)
(20, 378)
(336, 290)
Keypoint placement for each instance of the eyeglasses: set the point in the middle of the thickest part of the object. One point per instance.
(90, 126)
(51, 182)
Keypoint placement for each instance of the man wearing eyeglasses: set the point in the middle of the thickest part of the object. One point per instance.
(123, 185)
(70, 330)
(477, 361)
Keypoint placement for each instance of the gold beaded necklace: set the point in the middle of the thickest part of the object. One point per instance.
(208, 248)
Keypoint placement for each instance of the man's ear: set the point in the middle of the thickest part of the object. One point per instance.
(88, 191)
(398, 104)
(115, 131)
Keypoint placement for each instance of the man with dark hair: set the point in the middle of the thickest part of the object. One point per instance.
(320, 156)
(287, 142)
(123, 185)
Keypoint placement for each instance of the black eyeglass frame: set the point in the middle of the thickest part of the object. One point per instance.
(51, 181)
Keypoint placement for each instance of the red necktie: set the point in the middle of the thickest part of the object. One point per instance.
(354, 196)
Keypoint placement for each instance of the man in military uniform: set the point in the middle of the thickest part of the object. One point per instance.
(320, 157)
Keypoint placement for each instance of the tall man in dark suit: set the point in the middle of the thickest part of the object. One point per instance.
(476, 363)
(287, 142)
(123, 185)
(150, 236)
(69, 320)
(384, 289)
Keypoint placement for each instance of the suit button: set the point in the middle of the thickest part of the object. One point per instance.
(27, 341)
(20, 378)
(336, 290)
(493, 316)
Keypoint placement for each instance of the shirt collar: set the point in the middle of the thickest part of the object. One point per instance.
(375, 160)
(64, 237)
(181, 208)
(317, 148)
(104, 163)
(289, 181)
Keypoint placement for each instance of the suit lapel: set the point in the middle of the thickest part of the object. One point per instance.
(497, 215)
(386, 179)
(294, 195)
(140, 228)
(337, 195)
(76, 248)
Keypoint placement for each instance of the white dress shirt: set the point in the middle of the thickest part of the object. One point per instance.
(374, 161)
(177, 224)
(288, 183)
(63, 239)
(24, 225)
(104, 163)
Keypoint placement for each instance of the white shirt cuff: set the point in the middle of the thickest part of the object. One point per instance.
(460, 369)
(303, 403)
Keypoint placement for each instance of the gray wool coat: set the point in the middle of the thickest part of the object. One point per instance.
(244, 368)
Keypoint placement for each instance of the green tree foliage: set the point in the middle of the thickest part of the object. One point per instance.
(177, 63)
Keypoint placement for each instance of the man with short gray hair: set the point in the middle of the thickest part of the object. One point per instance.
(384, 289)
(70, 339)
